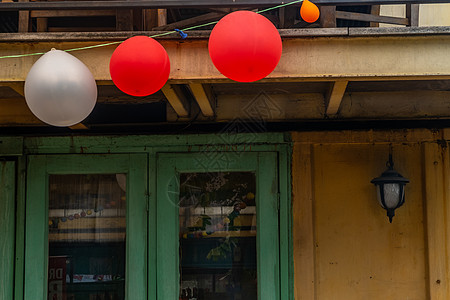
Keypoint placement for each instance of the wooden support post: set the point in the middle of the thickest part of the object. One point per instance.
(42, 24)
(18, 87)
(287, 16)
(124, 20)
(204, 97)
(375, 10)
(150, 19)
(138, 19)
(176, 99)
(24, 19)
(327, 16)
(162, 17)
(334, 97)
(412, 13)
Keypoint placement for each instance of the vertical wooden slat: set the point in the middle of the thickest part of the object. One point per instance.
(162, 17)
(150, 19)
(327, 16)
(24, 19)
(20, 229)
(124, 20)
(412, 13)
(41, 24)
(375, 10)
(36, 251)
(7, 188)
(436, 203)
(303, 223)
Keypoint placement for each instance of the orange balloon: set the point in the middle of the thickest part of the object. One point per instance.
(309, 11)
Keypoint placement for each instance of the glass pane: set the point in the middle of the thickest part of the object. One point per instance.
(86, 236)
(217, 218)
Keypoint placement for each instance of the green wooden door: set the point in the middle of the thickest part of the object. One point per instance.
(42, 170)
(178, 174)
(7, 186)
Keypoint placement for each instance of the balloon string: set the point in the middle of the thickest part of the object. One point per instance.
(152, 36)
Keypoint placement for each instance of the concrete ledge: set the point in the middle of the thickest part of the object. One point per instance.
(204, 34)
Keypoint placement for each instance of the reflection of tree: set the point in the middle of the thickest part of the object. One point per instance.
(219, 189)
(216, 189)
(222, 251)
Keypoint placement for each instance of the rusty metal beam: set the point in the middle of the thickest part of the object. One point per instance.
(304, 59)
(60, 5)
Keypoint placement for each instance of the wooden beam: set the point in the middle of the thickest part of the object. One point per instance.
(71, 13)
(375, 10)
(162, 17)
(204, 97)
(395, 105)
(79, 126)
(436, 212)
(327, 17)
(191, 21)
(24, 19)
(334, 97)
(124, 20)
(16, 112)
(412, 13)
(176, 99)
(18, 87)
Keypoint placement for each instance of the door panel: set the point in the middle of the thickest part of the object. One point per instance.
(7, 186)
(93, 211)
(219, 213)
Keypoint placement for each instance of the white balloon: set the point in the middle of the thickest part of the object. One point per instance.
(60, 90)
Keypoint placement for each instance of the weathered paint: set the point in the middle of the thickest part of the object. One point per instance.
(7, 228)
(344, 246)
(168, 168)
(429, 14)
(266, 151)
(321, 58)
(36, 247)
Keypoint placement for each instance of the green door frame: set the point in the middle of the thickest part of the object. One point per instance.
(152, 146)
(36, 231)
(169, 167)
(7, 228)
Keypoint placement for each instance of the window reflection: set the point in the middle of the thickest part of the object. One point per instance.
(87, 227)
(217, 219)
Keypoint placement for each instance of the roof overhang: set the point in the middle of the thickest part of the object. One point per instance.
(317, 76)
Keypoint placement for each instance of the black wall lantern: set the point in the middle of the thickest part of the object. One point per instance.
(390, 189)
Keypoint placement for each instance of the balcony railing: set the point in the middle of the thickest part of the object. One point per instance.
(163, 15)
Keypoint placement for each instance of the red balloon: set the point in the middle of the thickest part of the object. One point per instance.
(245, 46)
(140, 66)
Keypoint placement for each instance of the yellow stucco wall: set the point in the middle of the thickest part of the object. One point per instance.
(344, 245)
(429, 14)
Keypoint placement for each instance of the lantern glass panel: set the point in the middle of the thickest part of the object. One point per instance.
(391, 194)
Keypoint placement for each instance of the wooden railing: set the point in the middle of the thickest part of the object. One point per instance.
(154, 14)
(330, 15)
